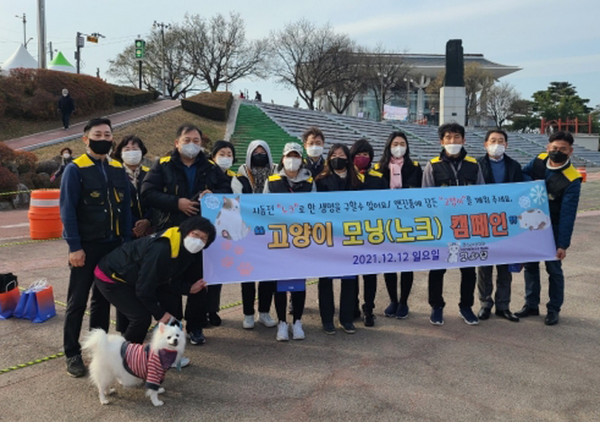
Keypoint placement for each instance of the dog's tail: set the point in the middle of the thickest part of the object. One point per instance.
(96, 338)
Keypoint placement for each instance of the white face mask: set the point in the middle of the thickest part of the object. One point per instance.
(193, 244)
(496, 150)
(66, 156)
(398, 151)
(190, 150)
(224, 162)
(453, 149)
(314, 151)
(291, 163)
(132, 158)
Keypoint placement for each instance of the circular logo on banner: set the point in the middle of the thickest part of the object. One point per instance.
(211, 202)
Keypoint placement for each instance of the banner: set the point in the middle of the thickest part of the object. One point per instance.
(306, 235)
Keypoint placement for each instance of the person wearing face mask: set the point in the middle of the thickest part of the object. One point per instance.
(563, 183)
(142, 278)
(339, 173)
(291, 178)
(453, 167)
(361, 155)
(66, 106)
(172, 189)
(497, 167)
(131, 151)
(96, 216)
(251, 178)
(223, 155)
(66, 156)
(399, 172)
(314, 142)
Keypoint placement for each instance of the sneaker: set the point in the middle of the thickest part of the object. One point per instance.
(390, 311)
(197, 337)
(402, 311)
(265, 319)
(214, 319)
(297, 331)
(348, 327)
(329, 328)
(282, 332)
(369, 319)
(248, 322)
(183, 362)
(468, 316)
(75, 366)
(437, 316)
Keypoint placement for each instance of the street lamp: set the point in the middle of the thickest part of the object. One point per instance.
(380, 74)
(162, 27)
(408, 82)
(25, 40)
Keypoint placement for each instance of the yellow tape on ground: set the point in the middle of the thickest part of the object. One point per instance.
(14, 192)
(30, 363)
(27, 242)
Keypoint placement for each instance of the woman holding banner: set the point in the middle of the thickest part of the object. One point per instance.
(361, 155)
(399, 172)
(339, 174)
(291, 178)
(251, 178)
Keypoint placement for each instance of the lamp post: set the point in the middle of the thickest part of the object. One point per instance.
(25, 41)
(380, 74)
(162, 27)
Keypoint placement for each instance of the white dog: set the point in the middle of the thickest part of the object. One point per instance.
(115, 359)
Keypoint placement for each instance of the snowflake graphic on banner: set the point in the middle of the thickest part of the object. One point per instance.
(524, 201)
(538, 194)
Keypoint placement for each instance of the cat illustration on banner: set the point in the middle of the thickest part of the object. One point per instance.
(229, 223)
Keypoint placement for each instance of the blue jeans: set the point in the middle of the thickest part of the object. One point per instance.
(556, 286)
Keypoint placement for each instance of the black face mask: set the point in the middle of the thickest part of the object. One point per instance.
(558, 157)
(338, 163)
(100, 147)
(259, 160)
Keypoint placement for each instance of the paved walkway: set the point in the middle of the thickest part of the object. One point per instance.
(399, 370)
(122, 118)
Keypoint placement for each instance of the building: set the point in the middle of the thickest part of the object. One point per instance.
(410, 97)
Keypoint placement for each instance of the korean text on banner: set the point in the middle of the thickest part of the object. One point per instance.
(305, 235)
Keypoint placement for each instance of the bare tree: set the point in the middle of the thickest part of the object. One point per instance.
(500, 101)
(386, 73)
(308, 58)
(350, 81)
(179, 78)
(218, 52)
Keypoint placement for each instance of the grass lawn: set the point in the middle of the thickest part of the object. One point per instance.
(158, 134)
(11, 128)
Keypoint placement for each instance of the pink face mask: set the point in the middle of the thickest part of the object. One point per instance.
(362, 162)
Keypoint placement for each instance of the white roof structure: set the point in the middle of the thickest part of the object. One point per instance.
(20, 58)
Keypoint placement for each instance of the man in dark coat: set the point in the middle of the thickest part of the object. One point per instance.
(66, 107)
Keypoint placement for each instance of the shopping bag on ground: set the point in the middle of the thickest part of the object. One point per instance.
(39, 304)
(22, 305)
(9, 297)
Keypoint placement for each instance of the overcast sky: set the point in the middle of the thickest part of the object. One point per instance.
(550, 40)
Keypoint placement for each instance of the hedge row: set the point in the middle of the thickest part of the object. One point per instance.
(212, 105)
(129, 96)
(34, 93)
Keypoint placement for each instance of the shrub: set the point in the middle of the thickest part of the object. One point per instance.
(8, 182)
(34, 93)
(212, 105)
(129, 96)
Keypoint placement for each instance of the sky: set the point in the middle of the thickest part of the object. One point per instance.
(551, 40)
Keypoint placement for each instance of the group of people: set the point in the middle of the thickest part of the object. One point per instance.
(135, 234)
